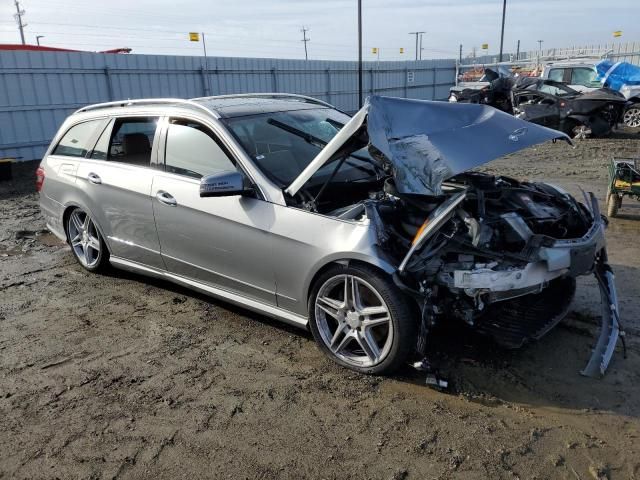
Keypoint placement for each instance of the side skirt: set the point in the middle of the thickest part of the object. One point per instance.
(268, 310)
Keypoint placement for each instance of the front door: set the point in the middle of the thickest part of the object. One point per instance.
(222, 241)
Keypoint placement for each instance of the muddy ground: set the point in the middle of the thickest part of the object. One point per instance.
(105, 376)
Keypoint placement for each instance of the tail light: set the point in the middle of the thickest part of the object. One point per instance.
(39, 178)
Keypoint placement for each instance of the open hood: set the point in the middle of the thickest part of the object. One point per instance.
(427, 142)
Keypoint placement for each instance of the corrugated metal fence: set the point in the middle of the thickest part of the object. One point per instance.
(618, 51)
(39, 89)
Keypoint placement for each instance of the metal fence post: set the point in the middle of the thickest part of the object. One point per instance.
(274, 80)
(203, 75)
(433, 83)
(107, 74)
(328, 73)
(406, 82)
(372, 88)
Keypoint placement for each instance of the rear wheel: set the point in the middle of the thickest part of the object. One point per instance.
(86, 242)
(631, 117)
(613, 204)
(361, 320)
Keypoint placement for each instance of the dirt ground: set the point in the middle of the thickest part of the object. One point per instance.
(105, 376)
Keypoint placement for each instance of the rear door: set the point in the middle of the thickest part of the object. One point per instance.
(117, 180)
(61, 167)
(222, 241)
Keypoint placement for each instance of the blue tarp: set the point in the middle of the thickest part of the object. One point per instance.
(616, 74)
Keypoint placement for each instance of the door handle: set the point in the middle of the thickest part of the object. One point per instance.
(166, 199)
(94, 178)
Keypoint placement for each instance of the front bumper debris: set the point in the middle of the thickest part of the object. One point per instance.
(610, 328)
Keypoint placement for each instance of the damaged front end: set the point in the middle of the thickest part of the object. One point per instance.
(498, 254)
(502, 256)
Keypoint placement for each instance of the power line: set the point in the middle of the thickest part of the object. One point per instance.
(18, 16)
(305, 40)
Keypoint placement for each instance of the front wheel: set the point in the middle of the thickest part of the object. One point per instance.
(613, 204)
(361, 320)
(86, 242)
(631, 117)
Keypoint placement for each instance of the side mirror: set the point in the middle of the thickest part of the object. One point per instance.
(223, 184)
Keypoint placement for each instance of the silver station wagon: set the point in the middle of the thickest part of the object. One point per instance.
(368, 230)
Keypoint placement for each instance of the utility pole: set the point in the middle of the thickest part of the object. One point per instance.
(460, 55)
(504, 11)
(359, 54)
(539, 52)
(421, 46)
(305, 40)
(518, 51)
(206, 63)
(416, 34)
(18, 16)
(38, 37)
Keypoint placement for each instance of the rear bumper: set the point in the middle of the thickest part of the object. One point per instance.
(52, 212)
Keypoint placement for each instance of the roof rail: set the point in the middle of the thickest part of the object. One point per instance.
(147, 101)
(302, 98)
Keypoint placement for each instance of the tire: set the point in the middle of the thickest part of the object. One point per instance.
(613, 203)
(85, 240)
(631, 116)
(374, 334)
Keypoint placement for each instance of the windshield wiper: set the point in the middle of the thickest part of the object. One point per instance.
(313, 140)
(317, 142)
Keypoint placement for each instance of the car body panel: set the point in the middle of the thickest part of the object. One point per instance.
(222, 241)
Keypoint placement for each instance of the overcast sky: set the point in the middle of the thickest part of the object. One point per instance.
(271, 28)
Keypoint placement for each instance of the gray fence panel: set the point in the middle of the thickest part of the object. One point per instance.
(38, 90)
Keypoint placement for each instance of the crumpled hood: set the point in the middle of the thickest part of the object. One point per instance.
(427, 142)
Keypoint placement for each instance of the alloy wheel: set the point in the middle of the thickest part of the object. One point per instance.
(631, 117)
(581, 132)
(354, 321)
(84, 238)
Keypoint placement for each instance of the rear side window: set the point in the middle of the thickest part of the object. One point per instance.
(128, 141)
(193, 151)
(556, 74)
(77, 141)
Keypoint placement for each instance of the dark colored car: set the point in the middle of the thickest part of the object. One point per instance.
(553, 104)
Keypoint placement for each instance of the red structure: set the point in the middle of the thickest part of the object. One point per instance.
(39, 48)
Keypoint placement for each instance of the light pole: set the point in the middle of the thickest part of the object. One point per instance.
(504, 11)
(359, 54)
(38, 37)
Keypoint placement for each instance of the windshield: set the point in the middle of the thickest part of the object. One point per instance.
(282, 144)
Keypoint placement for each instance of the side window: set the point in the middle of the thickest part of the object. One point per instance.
(193, 151)
(556, 74)
(585, 77)
(129, 141)
(76, 142)
(101, 150)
